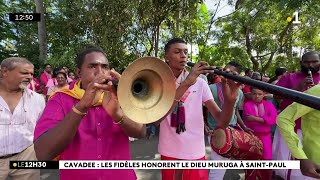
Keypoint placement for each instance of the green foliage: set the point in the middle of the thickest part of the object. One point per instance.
(261, 30)
(256, 34)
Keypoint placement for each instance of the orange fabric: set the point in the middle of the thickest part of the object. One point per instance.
(57, 158)
(76, 92)
(188, 174)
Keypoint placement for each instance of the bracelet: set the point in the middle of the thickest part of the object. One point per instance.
(74, 109)
(177, 100)
(120, 121)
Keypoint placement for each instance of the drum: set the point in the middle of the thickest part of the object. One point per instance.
(233, 142)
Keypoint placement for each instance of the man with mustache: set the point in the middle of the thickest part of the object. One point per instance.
(20, 108)
(299, 81)
(86, 122)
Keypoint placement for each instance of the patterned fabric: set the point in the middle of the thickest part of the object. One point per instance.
(239, 144)
(178, 116)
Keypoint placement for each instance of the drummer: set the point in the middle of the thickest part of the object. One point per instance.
(216, 90)
(181, 137)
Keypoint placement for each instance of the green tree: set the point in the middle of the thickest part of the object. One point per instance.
(260, 29)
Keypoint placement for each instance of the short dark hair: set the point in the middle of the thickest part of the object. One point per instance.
(310, 53)
(56, 71)
(247, 70)
(46, 64)
(87, 50)
(236, 65)
(64, 74)
(173, 41)
(252, 88)
(280, 70)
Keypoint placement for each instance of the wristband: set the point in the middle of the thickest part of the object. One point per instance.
(75, 110)
(120, 121)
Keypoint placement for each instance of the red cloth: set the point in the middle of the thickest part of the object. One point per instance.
(187, 174)
(261, 174)
(216, 79)
(246, 90)
(44, 77)
(34, 85)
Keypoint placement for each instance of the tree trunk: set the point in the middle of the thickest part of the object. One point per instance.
(249, 49)
(156, 44)
(42, 32)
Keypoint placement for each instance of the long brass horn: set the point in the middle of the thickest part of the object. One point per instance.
(296, 96)
(146, 90)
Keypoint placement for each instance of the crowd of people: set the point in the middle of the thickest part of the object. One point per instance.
(75, 115)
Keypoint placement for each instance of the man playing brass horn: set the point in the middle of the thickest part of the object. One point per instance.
(85, 121)
(182, 131)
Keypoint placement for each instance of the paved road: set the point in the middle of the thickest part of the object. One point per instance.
(145, 149)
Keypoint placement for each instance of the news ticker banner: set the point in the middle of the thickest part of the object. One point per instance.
(155, 164)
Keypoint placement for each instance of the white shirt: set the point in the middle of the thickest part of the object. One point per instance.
(188, 145)
(17, 129)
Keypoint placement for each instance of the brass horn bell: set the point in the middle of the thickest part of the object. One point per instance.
(146, 90)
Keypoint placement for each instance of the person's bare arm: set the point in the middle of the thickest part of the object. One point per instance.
(199, 68)
(55, 140)
(223, 117)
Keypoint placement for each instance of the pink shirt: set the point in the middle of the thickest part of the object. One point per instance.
(53, 81)
(97, 138)
(264, 110)
(44, 77)
(189, 144)
(290, 81)
(34, 85)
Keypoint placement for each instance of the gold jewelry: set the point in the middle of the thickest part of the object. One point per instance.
(74, 109)
(120, 121)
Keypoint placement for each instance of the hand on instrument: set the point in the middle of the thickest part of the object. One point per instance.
(308, 81)
(248, 130)
(199, 68)
(207, 130)
(230, 88)
(93, 92)
(309, 168)
(110, 100)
